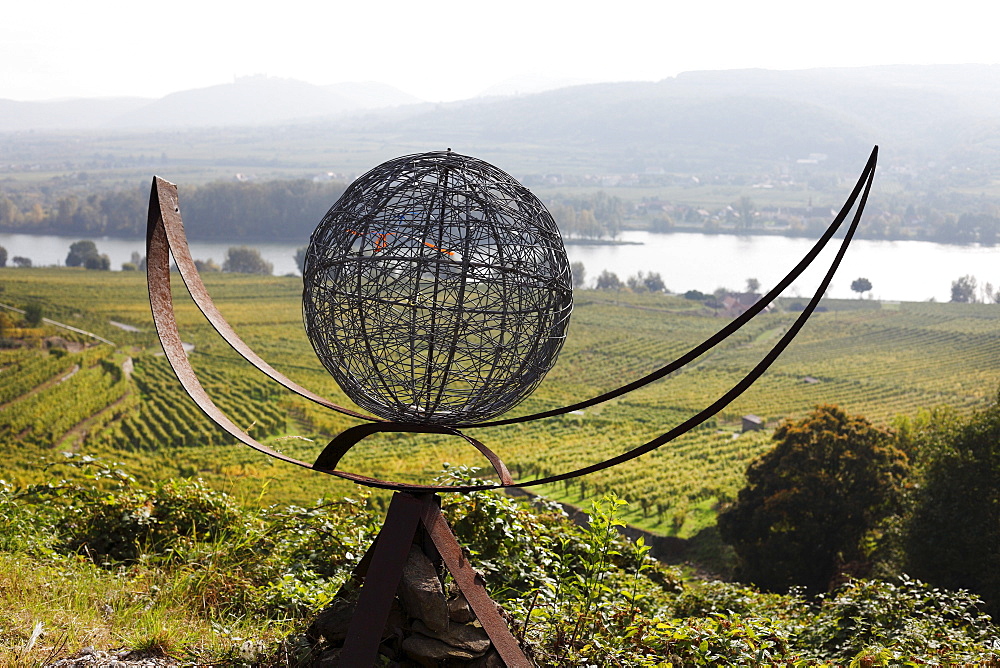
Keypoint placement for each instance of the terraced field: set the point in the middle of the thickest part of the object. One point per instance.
(877, 360)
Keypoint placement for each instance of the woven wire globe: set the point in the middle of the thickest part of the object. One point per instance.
(437, 290)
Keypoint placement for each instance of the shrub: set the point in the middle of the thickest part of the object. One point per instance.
(810, 502)
(953, 538)
(900, 620)
(122, 527)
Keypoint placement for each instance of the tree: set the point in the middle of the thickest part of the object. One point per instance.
(745, 209)
(300, 258)
(97, 262)
(861, 285)
(636, 283)
(653, 282)
(812, 500)
(753, 285)
(608, 281)
(79, 252)
(3, 256)
(21, 261)
(953, 537)
(206, 266)
(33, 314)
(696, 295)
(244, 260)
(139, 261)
(579, 273)
(642, 282)
(964, 289)
(989, 294)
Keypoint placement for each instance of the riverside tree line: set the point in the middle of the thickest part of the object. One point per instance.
(269, 210)
(280, 209)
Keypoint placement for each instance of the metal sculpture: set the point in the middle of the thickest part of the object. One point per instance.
(423, 259)
(437, 290)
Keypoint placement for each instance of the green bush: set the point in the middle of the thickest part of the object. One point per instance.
(122, 527)
(812, 503)
(579, 595)
(899, 620)
(953, 537)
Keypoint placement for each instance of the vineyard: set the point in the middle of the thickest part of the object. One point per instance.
(122, 400)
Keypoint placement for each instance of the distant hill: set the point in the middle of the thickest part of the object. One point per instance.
(941, 118)
(245, 102)
(260, 101)
(65, 114)
(702, 118)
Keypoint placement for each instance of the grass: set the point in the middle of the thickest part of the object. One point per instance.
(78, 604)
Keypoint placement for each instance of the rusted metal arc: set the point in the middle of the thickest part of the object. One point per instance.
(751, 377)
(863, 182)
(161, 303)
(170, 218)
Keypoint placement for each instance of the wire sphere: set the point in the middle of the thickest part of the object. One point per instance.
(437, 290)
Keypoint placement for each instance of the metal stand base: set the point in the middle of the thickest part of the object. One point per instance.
(386, 558)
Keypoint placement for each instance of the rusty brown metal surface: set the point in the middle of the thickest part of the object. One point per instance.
(169, 215)
(383, 566)
(338, 447)
(472, 586)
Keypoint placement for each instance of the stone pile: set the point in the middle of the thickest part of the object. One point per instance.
(427, 627)
(123, 658)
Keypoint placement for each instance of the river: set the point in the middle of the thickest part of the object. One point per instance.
(898, 270)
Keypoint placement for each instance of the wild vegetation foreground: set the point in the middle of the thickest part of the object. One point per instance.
(133, 522)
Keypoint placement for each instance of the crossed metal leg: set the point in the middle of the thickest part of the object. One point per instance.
(410, 517)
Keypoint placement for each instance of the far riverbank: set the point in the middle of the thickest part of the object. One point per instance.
(898, 270)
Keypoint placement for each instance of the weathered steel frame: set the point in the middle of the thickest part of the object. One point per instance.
(408, 516)
(165, 237)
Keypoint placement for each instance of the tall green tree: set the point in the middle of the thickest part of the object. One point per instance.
(245, 260)
(861, 286)
(98, 262)
(811, 500)
(745, 208)
(609, 281)
(953, 536)
(643, 282)
(300, 258)
(80, 252)
(964, 289)
(3, 256)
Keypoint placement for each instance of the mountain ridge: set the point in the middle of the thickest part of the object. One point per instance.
(710, 122)
(247, 101)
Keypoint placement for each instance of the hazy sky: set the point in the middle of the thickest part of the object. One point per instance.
(443, 50)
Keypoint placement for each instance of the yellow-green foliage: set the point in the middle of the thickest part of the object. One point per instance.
(877, 362)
